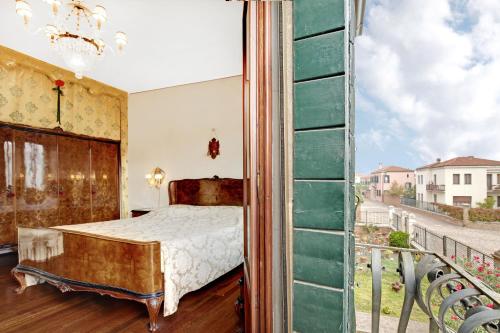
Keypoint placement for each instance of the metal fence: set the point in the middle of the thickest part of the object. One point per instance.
(449, 247)
(429, 206)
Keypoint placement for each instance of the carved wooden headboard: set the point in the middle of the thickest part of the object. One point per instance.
(206, 192)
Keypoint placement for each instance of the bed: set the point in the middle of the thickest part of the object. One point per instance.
(152, 259)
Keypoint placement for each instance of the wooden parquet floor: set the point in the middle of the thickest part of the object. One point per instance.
(43, 308)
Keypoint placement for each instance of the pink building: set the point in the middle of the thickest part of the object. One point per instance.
(384, 178)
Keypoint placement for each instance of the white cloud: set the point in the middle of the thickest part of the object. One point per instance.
(434, 66)
(375, 138)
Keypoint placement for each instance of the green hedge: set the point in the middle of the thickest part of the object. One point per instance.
(452, 211)
(399, 239)
(484, 215)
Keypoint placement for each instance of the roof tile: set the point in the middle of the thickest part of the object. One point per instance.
(461, 161)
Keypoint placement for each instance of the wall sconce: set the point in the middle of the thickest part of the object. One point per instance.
(155, 179)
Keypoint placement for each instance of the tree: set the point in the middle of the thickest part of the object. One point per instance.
(396, 189)
(488, 203)
(410, 192)
(360, 190)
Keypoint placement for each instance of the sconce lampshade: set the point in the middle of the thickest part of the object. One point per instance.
(156, 177)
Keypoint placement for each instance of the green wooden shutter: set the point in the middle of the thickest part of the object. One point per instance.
(323, 213)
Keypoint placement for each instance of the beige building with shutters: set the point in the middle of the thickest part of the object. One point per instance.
(461, 181)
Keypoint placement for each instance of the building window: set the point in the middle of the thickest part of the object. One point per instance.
(498, 201)
(468, 179)
(498, 179)
(462, 201)
(435, 180)
(456, 179)
(435, 198)
(387, 179)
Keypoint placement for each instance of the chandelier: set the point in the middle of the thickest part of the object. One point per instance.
(76, 32)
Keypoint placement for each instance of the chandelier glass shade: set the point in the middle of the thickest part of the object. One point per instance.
(75, 32)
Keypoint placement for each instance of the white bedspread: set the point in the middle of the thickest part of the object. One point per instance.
(198, 244)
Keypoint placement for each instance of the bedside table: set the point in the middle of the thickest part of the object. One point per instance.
(140, 211)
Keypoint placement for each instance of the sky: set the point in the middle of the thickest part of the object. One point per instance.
(427, 82)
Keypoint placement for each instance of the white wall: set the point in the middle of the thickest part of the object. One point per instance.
(444, 176)
(477, 190)
(170, 128)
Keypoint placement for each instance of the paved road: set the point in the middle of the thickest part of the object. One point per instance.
(487, 241)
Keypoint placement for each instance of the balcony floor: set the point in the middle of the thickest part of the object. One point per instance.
(387, 324)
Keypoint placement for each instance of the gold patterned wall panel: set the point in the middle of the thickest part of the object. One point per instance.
(88, 107)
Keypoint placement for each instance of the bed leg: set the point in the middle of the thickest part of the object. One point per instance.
(153, 305)
(21, 279)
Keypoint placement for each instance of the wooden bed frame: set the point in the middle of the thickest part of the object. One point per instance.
(116, 267)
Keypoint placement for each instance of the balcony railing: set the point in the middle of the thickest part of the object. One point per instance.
(494, 188)
(434, 187)
(451, 298)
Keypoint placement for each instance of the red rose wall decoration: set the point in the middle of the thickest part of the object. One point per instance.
(59, 84)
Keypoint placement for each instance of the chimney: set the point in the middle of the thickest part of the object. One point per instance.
(380, 166)
(438, 160)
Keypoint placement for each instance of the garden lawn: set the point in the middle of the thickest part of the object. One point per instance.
(392, 302)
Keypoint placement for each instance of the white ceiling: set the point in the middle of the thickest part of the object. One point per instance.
(171, 42)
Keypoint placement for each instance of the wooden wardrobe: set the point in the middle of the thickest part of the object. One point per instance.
(49, 178)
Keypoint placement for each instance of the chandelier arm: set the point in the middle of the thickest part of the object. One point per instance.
(88, 21)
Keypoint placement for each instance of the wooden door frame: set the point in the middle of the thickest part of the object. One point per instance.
(257, 41)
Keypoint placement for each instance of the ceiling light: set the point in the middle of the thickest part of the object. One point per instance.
(54, 4)
(100, 16)
(121, 40)
(76, 37)
(23, 9)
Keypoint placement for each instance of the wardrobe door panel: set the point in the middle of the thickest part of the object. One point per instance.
(104, 180)
(36, 179)
(74, 183)
(7, 192)
(49, 197)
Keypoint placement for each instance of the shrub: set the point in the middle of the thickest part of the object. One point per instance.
(484, 215)
(399, 239)
(452, 211)
(488, 203)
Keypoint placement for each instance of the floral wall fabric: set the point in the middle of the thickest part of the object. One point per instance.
(88, 107)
